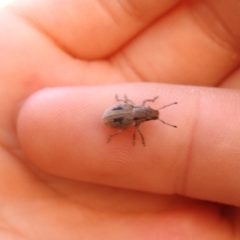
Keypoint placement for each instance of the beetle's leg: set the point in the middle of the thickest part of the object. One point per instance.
(128, 100)
(137, 128)
(149, 100)
(125, 100)
(120, 100)
(110, 137)
(134, 136)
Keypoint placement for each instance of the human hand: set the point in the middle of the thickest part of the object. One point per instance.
(174, 188)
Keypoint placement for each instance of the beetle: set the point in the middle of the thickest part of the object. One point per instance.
(124, 115)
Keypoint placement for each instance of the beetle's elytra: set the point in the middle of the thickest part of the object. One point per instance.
(122, 116)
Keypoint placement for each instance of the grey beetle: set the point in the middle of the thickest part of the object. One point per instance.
(122, 116)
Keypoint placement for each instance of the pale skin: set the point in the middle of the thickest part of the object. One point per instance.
(60, 179)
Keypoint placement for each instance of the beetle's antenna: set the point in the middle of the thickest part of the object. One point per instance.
(162, 120)
(167, 123)
(167, 105)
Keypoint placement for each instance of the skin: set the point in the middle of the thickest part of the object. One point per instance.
(62, 62)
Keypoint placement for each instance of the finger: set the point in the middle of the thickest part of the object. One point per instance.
(93, 29)
(61, 132)
(196, 43)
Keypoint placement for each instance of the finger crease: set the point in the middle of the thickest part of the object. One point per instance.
(217, 30)
(183, 182)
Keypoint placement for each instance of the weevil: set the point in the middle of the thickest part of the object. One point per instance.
(124, 115)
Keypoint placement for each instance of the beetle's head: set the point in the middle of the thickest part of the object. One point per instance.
(152, 114)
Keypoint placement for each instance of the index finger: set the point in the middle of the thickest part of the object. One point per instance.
(92, 29)
(61, 132)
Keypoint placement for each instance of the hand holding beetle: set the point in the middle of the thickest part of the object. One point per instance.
(59, 177)
(127, 114)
